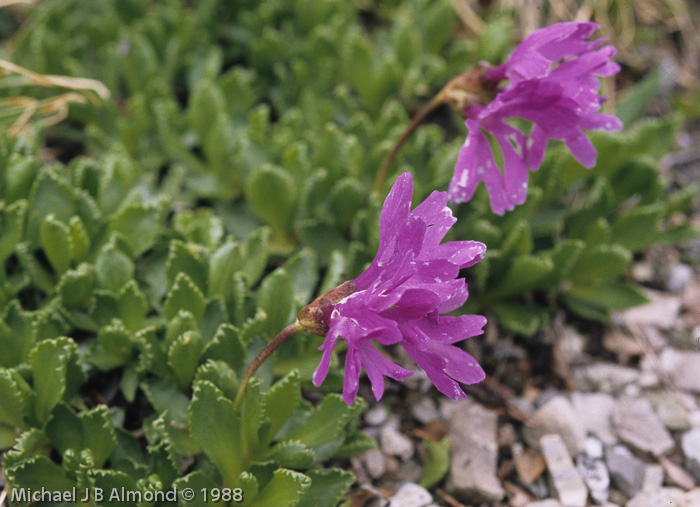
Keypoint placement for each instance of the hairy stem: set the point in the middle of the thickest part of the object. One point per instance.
(417, 120)
(284, 335)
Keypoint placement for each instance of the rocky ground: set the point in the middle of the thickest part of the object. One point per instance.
(581, 415)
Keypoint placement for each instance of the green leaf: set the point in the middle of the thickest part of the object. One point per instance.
(76, 285)
(138, 224)
(108, 481)
(17, 335)
(322, 238)
(613, 296)
(303, 271)
(346, 198)
(291, 454)
(51, 362)
(638, 227)
(282, 400)
(256, 254)
(226, 346)
(51, 195)
(12, 220)
(198, 482)
(524, 275)
(165, 397)
(206, 102)
(79, 239)
(601, 264)
(328, 486)
(284, 490)
(132, 306)
(334, 272)
(8, 437)
(522, 319)
(39, 472)
(200, 226)
(271, 193)
(184, 295)
(276, 299)
(251, 420)
(224, 262)
(221, 375)
(92, 430)
(437, 462)
(183, 357)
(115, 347)
(636, 100)
(216, 427)
(113, 268)
(56, 242)
(564, 257)
(186, 258)
(13, 401)
(325, 424)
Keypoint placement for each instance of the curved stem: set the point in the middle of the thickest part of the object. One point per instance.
(415, 122)
(284, 335)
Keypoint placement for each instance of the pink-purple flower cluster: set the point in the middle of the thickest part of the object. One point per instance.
(553, 83)
(401, 298)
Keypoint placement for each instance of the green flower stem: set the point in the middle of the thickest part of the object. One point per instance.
(284, 335)
(417, 120)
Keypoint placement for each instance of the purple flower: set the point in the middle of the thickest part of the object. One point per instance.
(553, 83)
(399, 299)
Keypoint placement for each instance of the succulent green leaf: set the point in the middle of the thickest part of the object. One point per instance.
(437, 461)
(303, 271)
(13, 400)
(276, 299)
(221, 375)
(638, 227)
(282, 400)
(601, 264)
(115, 347)
(114, 269)
(226, 346)
(325, 423)
(56, 242)
(52, 363)
(165, 397)
(216, 427)
(108, 480)
(328, 486)
(290, 454)
(92, 430)
(40, 472)
(520, 318)
(76, 285)
(224, 262)
(187, 258)
(12, 220)
(132, 306)
(271, 193)
(79, 239)
(184, 295)
(197, 481)
(8, 437)
(138, 224)
(612, 296)
(183, 357)
(285, 489)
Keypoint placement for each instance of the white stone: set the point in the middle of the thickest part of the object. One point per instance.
(411, 495)
(558, 416)
(396, 444)
(594, 411)
(473, 432)
(568, 484)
